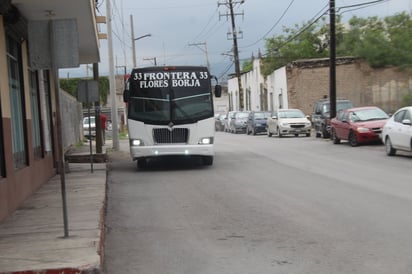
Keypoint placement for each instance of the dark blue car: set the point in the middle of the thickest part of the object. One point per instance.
(256, 122)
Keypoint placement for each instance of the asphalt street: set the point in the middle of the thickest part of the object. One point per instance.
(267, 205)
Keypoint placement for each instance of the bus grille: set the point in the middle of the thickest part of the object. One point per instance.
(167, 136)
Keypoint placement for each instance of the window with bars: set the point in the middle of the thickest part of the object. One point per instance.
(35, 115)
(17, 106)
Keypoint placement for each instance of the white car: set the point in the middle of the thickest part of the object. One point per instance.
(288, 122)
(397, 132)
(89, 132)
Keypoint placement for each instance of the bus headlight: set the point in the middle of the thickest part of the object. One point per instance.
(136, 142)
(206, 141)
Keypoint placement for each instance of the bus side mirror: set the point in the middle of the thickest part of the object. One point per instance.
(218, 91)
(126, 95)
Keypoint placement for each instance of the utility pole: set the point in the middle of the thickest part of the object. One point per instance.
(229, 4)
(332, 59)
(133, 45)
(207, 55)
(134, 40)
(112, 79)
(98, 111)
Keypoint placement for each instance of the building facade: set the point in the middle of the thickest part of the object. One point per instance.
(303, 82)
(29, 148)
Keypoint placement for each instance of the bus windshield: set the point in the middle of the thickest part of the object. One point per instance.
(158, 97)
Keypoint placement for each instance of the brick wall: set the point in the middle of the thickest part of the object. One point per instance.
(308, 81)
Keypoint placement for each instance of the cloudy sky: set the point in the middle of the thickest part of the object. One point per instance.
(182, 30)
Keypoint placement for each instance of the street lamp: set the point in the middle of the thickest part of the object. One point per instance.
(134, 46)
(134, 39)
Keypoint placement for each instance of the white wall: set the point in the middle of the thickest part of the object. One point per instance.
(252, 81)
(256, 82)
(233, 91)
(277, 89)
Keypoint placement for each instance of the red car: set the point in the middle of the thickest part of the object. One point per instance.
(358, 125)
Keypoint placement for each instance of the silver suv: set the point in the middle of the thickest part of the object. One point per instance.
(321, 115)
(238, 122)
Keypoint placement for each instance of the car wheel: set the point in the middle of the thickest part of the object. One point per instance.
(325, 133)
(335, 139)
(390, 151)
(307, 134)
(352, 139)
(278, 132)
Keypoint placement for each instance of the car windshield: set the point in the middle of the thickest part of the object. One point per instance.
(339, 106)
(368, 115)
(86, 120)
(241, 115)
(261, 115)
(291, 114)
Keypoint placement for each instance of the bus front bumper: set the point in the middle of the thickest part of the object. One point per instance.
(138, 152)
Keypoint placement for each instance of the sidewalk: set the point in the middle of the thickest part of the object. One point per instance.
(32, 239)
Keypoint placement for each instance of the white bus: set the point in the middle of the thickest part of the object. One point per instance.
(170, 113)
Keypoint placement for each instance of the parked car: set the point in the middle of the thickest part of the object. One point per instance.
(229, 116)
(220, 122)
(109, 126)
(358, 125)
(321, 115)
(89, 132)
(288, 122)
(397, 132)
(238, 122)
(256, 122)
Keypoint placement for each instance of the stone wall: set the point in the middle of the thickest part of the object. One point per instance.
(72, 127)
(308, 81)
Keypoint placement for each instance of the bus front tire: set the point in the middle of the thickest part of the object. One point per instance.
(141, 163)
(207, 160)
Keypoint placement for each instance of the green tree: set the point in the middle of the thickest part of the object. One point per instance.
(308, 40)
(381, 42)
(247, 65)
(70, 86)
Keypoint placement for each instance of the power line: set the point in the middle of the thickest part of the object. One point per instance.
(303, 29)
(207, 24)
(360, 6)
(226, 70)
(270, 30)
(367, 4)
